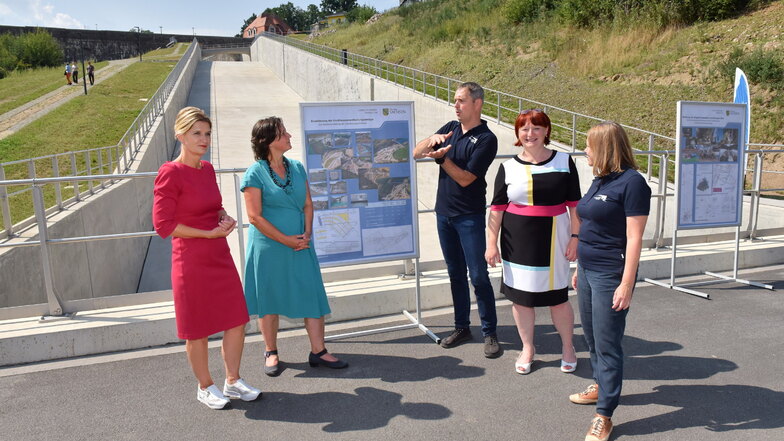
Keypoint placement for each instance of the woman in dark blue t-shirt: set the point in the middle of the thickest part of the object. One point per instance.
(613, 213)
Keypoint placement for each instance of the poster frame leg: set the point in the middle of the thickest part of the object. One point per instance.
(416, 321)
(734, 277)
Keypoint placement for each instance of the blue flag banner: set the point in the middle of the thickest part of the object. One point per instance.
(742, 97)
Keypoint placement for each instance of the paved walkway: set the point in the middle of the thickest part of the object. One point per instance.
(695, 370)
(13, 120)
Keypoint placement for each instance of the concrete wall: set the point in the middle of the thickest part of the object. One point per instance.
(102, 268)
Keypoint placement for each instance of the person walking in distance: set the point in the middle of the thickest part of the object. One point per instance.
(91, 72)
(68, 73)
(463, 150)
(75, 72)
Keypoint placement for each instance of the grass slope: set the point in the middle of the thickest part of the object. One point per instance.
(634, 75)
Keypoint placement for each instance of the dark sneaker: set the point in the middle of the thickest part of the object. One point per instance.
(459, 335)
(492, 349)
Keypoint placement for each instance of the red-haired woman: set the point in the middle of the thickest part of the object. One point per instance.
(533, 209)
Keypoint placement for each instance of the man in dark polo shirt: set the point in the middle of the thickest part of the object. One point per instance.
(463, 150)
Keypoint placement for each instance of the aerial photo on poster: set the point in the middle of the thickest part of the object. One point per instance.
(361, 169)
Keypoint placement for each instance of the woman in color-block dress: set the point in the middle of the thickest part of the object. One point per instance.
(533, 209)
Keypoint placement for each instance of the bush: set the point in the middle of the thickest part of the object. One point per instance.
(34, 49)
(521, 11)
(39, 49)
(761, 67)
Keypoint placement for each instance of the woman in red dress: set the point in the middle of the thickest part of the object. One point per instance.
(208, 296)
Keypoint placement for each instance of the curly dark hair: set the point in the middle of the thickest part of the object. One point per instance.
(264, 132)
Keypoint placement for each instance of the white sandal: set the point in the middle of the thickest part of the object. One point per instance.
(523, 368)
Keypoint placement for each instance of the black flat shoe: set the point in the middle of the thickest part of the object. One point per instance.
(315, 359)
(272, 371)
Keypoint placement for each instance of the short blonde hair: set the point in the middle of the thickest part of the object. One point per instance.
(611, 150)
(187, 117)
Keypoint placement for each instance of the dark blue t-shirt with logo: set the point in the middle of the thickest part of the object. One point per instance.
(603, 211)
(473, 151)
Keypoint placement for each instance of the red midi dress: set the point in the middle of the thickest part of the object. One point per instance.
(208, 296)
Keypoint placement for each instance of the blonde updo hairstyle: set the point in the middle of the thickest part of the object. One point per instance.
(187, 117)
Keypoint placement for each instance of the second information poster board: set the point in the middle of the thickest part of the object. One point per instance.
(362, 180)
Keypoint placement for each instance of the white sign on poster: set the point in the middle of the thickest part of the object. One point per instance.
(711, 141)
(362, 180)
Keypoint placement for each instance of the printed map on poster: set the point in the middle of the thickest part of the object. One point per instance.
(361, 177)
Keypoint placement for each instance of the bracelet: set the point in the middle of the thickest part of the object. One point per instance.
(576, 236)
(440, 160)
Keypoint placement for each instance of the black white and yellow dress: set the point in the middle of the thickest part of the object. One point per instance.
(535, 229)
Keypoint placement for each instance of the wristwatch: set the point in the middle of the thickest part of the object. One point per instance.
(576, 236)
(440, 160)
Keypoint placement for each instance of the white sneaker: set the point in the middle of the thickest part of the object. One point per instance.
(212, 397)
(240, 390)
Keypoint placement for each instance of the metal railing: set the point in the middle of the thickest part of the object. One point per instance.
(569, 127)
(83, 163)
(55, 305)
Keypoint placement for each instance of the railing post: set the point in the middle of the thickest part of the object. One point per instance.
(651, 146)
(574, 133)
(89, 170)
(75, 172)
(498, 105)
(757, 189)
(662, 204)
(240, 222)
(54, 301)
(100, 167)
(6, 207)
(58, 195)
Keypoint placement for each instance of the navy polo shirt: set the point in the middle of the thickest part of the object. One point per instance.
(472, 151)
(603, 211)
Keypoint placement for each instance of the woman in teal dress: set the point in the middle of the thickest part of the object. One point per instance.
(282, 274)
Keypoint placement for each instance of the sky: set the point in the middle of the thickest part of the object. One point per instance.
(205, 17)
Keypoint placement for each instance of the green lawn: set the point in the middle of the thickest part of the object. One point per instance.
(21, 87)
(95, 120)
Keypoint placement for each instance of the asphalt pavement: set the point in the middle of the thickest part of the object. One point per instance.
(695, 370)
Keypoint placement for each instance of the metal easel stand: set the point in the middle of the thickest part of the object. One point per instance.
(682, 288)
(416, 320)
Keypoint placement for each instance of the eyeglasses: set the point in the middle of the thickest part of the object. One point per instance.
(525, 112)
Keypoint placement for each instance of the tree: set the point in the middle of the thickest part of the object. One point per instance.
(248, 21)
(361, 14)
(333, 6)
(312, 15)
(292, 15)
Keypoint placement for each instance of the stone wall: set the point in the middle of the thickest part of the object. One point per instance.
(112, 45)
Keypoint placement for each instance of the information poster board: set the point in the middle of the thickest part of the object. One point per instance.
(362, 180)
(709, 166)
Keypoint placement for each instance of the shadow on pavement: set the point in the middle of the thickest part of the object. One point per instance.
(716, 408)
(392, 369)
(368, 408)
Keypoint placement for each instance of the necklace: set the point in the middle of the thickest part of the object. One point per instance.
(286, 186)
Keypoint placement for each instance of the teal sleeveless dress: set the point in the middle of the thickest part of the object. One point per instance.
(279, 280)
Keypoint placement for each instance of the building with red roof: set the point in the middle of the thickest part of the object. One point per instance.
(266, 23)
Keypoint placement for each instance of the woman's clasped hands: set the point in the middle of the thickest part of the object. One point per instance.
(298, 242)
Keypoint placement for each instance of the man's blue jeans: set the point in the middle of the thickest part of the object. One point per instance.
(463, 245)
(603, 329)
